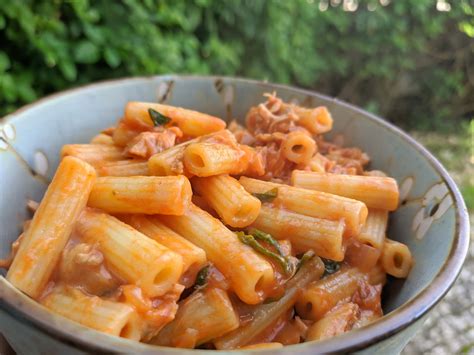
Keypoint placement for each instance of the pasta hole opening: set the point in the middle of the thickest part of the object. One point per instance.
(260, 285)
(369, 244)
(398, 260)
(196, 160)
(129, 331)
(297, 148)
(308, 307)
(163, 275)
(242, 213)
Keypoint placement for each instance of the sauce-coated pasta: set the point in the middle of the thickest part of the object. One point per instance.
(172, 230)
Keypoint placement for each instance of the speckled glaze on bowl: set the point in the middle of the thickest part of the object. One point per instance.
(432, 219)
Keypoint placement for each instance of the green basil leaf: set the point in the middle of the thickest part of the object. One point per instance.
(157, 118)
(268, 196)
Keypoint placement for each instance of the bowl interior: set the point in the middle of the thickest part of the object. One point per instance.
(427, 220)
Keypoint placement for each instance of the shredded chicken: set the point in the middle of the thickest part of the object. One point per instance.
(271, 116)
(156, 312)
(82, 265)
(146, 144)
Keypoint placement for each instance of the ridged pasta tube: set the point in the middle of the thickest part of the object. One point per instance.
(313, 203)
(229, 199)
(194, 257)
(250, 275)
(201, 317)
(109, 317)
(49, 231)
(141, 194)
(94, 154)
(131, 255)
(375, 191)
(322, 236)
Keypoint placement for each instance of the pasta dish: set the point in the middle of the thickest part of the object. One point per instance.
(176, 229)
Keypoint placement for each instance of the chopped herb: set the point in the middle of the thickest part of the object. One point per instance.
(201, 277)
(252, 242)
(265, 237)
(157, 118)
(267, 196)
(330, 266)
(306, 256)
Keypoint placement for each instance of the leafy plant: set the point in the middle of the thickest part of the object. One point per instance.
(406, 61)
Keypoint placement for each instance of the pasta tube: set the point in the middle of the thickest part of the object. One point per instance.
(362, 256)
(207, 159)
(375, 191)
(396, 258)
(248, 273)
(321, 296)
(123, 134)
(124, 168)
(94, 154)
(170, 161)
(192, 123)
(299, 147)
(105, 316)
(131, 255)
(373, 232)
(202, 317)
(102, 138)
(322, 236)
(141, 194)
(194, 257)
(336, 322)
(313, 203)
(266, 314)
(228, 198)
(48, 233)
(317, 120)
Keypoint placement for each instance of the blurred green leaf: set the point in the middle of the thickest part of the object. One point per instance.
(86, 53)
(406, 61)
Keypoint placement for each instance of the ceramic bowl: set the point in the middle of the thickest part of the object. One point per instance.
(432, 219)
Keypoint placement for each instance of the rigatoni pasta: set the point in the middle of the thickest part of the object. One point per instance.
(396, 258)
(124, 168)
(51, 226)
(228, 198)
(322, 236)
(194, 258)
(373, 232)
(170, 161)
(193, 235)
(131, 255)
(375, 191)
(249, 274)
(112, 318)
(203, 316)
(313, 203)
(141, 194)
(94, 154)
(208, 159)
(192, 123)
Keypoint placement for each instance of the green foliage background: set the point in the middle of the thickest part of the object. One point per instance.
(406, 60)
